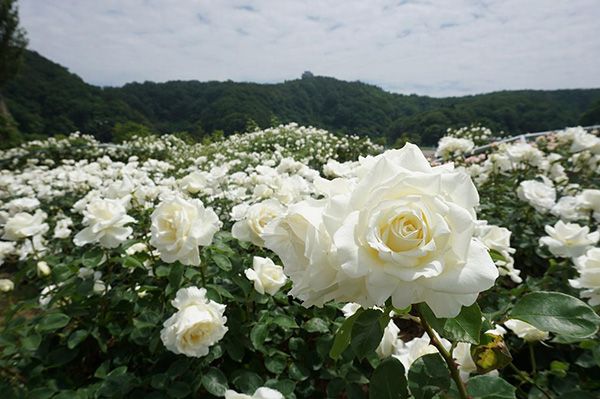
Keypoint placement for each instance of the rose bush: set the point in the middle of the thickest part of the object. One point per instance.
(190, 300)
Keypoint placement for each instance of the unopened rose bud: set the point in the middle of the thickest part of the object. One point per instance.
(43, 268)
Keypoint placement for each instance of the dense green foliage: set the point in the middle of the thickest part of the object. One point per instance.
(45, 99)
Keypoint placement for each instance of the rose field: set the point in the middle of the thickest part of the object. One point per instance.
(296, 263)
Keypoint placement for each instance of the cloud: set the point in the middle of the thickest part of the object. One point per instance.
(437, 48)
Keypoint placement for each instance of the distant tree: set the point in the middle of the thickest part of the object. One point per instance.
(307, 75)
(591, 116)
(127, 130)
(12, 40)
(12, 45)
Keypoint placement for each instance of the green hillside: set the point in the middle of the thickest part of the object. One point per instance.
(46, 99)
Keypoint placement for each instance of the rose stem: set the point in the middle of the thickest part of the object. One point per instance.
(454, 373)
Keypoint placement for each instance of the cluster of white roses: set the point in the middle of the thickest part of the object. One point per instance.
(399, 229)
(450, 147)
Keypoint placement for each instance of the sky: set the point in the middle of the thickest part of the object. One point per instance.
(438, 47)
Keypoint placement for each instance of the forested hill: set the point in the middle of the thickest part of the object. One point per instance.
(46, 99)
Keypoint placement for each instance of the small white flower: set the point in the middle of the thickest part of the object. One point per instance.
(568, 240)
(180, 226)
(106, 221)
(588, 266)
(266, 275)
(24, 225)
(6, 285)
(260, 393)
(198, 323)
(540, 195)
(43, 269)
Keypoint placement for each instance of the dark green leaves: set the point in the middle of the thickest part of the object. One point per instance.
(388, 381)
(466, 327)
(366, 333)
(558, 313)
(343, 335)
(490, 387)
(428, 376)
(53, 321)
(215, 382)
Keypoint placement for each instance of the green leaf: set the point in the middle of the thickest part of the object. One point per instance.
(388, 381)
(162, 271)
(41, 393)
(343, 335)
(222, 262)
(258, 334)
(76, 338)
(32, 341)
(247, 381)
(53, 321)
(131, 262)
(428, 376)
(466, 327)
(490, 387)
(276, 364)
(215, 382)
(316, 325)
(558, 313)
(366, 333)
(92, 258)
(285, 322)
(176, 275)
(179, 389)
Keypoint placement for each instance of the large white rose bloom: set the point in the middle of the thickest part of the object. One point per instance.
(266, 275)
(251, 220)
(106, 221)
(568, 240)
(180, 226)
(403, 230)
(540, 195)
(198, 324)
(588, 267)
(24, 224)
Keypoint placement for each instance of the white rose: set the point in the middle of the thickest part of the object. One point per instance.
(180, 226)
(408, 352)
(250, 227)
(566, 208)
(260, 393)
(23, 225)
(540, 195)
(389, 341)
(568, 240)
(588, 266)
(404, 231)
(6, 285)
(194, 182)
(590, 200)
(584, 141)
(266, 275)
(498, 239)
(449, 147)
(6, 248)
(105, 220)
(524, 153)
(526, 331)
(62, 230)
(198, 323)
(135, 248)
(43, 269)
(350, 308)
